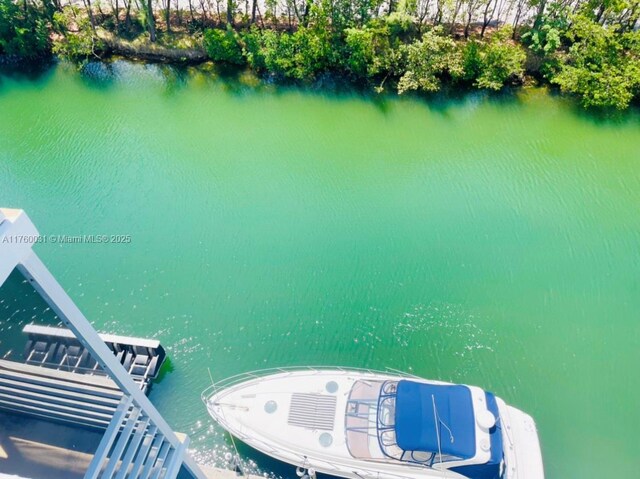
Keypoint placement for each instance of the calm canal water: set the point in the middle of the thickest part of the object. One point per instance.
(495, 243)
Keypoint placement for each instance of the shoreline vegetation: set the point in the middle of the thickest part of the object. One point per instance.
(586, 48)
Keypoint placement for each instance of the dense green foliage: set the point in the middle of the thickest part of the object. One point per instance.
(589, 48)
(301, 55)
(383, 49)
(429, 59)
(223, 46)
(24, 31)
(603, 67)
(493, 63)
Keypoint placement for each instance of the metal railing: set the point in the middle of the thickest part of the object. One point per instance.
(236, 379)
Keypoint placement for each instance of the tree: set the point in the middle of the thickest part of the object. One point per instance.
(89, 8)
(545, 38)
(167, 14)
(231, 6)
(359, 52)
(366, 51)
(428, 60)
(602, 67)
(472, 7)
(147, 12)
(488, 12)
(77, 45)
(490, 64)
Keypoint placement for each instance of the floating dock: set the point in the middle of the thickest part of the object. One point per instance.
(58, 348)
(60, 380)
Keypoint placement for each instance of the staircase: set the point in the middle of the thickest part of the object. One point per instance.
(132, 447)
(137, 441)
(76, 399)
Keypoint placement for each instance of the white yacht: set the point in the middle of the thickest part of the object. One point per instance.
(365, 424)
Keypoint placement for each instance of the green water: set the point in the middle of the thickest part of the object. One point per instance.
(490, 242)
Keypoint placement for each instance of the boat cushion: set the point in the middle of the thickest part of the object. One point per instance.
(416, 422)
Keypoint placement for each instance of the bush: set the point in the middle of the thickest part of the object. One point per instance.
(270, 51)
(428, 60)
(493, 63)
(359, 52)
(313, 53)
(223, 46)
(302, 55)
(401, 25)
(370, 51)
(253, 50)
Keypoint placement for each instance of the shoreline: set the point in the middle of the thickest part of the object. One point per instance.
(151, 52)
(331, 83)
(389, 52)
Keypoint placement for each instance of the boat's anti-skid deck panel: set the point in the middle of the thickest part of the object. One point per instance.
(312, 411)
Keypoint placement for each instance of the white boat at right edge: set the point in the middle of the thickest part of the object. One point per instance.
(363, 424)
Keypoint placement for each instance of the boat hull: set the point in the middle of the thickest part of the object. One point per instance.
(523, 453)
(299, 429)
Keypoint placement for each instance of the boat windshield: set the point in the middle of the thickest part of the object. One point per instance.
(369, 424)
(384, 416)
(361, 420)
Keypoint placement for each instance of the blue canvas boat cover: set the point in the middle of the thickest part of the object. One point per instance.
(416, 423)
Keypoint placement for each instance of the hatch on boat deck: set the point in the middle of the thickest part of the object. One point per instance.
(313, 411)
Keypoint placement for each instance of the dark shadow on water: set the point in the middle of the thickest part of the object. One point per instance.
(238, 81)
(98, 75)
(32, 71)
(175, 78)
(597, 116)
(442, 102)
(606, 117)
(106, 74)
(264, 462)
(450, 98)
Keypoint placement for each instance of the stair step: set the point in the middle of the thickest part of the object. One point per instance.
(160, 460)
(59, 393)
(45, 413)
(54, 408)
(82, 405)
(151, 458)
(99, 390)
(175, 459)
